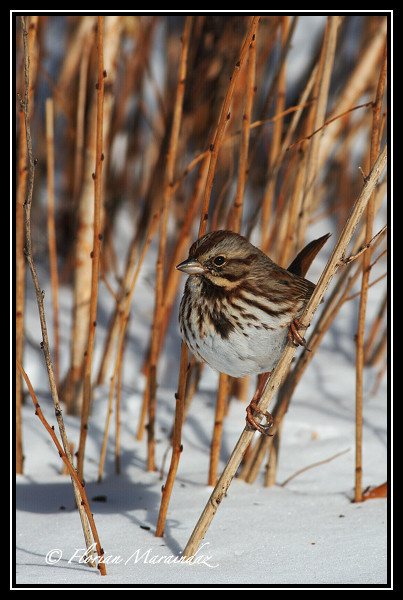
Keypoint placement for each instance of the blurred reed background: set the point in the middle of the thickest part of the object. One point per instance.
(308, 108)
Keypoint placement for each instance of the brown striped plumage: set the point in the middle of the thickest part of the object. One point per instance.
(238, 305)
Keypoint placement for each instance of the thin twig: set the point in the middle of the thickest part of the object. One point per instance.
(316, 464)
(328, 122)
(365, 247)
(84, 501)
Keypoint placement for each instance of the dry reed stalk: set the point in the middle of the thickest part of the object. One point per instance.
(19, 243)
(286, 220)
(272, 463)
(159, 285)
(173, 275)
(80, 116)
(343, 178)
(270, 445)
(52, 232)
(356, 85)
(288, 245)
(215, 445)
(268, 196)
(281, 241)
(370, 213)
(143, 415)
(321, 92)
(20, 288)
(65, 470)
(222, 122)
(245, 136)
(219, 218)
(176, 442)
(38, 292)
(106, 430)
(87, 384)
(269, 98)
(83, 271)
(117, 416)
(117, 373)
(281, 224)
(84, 501)
(335, 261)
(237, 209)
(283, 233)
(80, 38)
(151, 206)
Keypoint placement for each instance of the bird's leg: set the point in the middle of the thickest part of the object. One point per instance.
(295, 337)
(253, 407)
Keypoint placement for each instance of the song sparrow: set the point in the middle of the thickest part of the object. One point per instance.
(239, 308)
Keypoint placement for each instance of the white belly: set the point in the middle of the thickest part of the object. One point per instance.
(239, 355)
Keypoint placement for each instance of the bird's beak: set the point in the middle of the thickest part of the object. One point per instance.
(191, 266)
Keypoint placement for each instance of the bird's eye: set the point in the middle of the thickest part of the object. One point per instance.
(219, 261)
